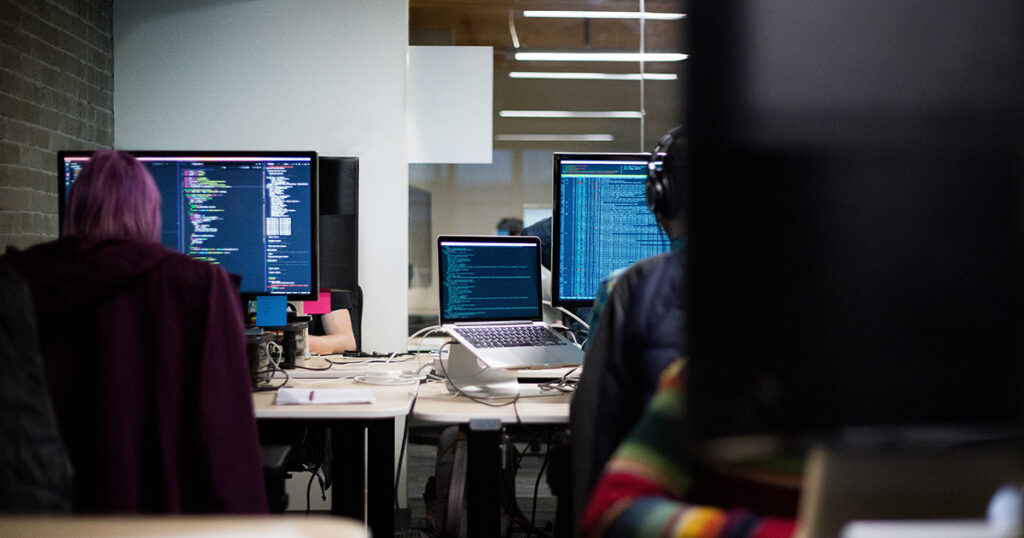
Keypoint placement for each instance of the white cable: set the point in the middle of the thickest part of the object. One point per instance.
(379, 376)
(271, 352)
(568, 313)
(404, 379)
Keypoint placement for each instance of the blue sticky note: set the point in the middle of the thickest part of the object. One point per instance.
(271, 310)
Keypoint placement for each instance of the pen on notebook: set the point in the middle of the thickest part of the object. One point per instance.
(311, 395)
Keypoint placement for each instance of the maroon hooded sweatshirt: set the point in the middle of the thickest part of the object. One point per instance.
(145, 355)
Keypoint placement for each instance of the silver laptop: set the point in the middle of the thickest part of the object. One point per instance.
(490, 301)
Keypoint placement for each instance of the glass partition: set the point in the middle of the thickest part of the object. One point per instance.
(574, 102)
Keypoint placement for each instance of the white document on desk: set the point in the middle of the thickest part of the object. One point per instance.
(291, 395)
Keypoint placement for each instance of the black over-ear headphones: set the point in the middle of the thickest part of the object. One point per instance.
(659, 190)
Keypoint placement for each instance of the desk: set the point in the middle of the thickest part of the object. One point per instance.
(363, 441)
(256, 526)
(482, 425)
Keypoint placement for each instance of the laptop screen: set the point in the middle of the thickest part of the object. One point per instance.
(489, 278)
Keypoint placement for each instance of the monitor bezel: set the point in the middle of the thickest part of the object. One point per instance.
(556, 215)
(314, 186)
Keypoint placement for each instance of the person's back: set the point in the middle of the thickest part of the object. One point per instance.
(144, 349)
(145, 356)
(638, 328)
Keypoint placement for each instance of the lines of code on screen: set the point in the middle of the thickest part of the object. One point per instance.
(251, 215)
(489, 281)
(605, 224)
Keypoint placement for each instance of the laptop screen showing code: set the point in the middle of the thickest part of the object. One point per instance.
(489, 279)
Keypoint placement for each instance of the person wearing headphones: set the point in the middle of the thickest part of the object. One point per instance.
(638, 328)
(628, 416)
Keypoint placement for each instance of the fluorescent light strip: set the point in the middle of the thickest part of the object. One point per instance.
(554, 137)
(600, 56)
(591, 76)
(649, 15)
(568, 114)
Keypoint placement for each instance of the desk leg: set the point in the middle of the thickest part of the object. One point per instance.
(483, 480)
(347, 475)
(380, 464)
(350, 476)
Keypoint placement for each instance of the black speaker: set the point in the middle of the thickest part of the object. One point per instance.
(339, 222)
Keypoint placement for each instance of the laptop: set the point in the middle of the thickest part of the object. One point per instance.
(491, 302)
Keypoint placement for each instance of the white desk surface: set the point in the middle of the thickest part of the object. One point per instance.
(392, 400)
(435, 404)
(182, 526)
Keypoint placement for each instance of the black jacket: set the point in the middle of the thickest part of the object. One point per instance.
(35, 471)
(642, 329)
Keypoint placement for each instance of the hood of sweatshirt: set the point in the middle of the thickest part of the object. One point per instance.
(73, 271)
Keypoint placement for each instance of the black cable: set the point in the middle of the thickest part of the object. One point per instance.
(519, 461)
(328, 367)
(309, 485)
(564, 384)
(536, 487)
(272, 387)
(401, 455)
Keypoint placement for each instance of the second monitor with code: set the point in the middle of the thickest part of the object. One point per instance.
(600, 222)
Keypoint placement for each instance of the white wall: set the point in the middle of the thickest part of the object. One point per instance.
(326, 75)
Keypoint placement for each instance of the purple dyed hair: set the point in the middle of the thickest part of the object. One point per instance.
(114, 196)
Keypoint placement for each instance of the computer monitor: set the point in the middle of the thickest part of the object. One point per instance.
(600, 222)
(255, 213)
(854, 251)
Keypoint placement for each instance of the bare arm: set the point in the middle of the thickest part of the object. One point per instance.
(340, 336)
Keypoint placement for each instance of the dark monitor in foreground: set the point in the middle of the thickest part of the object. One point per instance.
(855, 243)
(252, 212)
(600, 222)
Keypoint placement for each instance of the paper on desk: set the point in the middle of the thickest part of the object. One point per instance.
(290, 395)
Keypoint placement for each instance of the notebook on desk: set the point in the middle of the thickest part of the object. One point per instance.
(490, 301)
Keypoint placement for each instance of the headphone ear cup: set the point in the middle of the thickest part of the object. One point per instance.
(666, 202)
(658, 189)
(658, 192)
(652, 193)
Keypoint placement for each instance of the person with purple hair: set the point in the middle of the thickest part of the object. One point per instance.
(144, 353)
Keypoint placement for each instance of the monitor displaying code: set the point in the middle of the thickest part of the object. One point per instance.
(600, 223)
(253, 214)
(489, 280)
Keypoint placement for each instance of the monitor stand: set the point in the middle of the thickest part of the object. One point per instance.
(472, 377)
(901, 484)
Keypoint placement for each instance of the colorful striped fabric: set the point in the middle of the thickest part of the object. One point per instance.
(639, 493)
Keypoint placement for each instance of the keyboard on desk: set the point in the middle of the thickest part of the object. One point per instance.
(510, 336)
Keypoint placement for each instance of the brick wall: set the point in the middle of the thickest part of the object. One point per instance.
(56, 92)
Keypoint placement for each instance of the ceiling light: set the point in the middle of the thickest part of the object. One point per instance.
(568, 114)
(603, 15)
(554, 137)
(600, 56)
(591, 76)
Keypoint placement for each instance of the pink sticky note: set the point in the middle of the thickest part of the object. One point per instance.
(319, 306)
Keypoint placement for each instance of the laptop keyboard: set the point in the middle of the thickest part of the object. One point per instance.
(510, 336)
